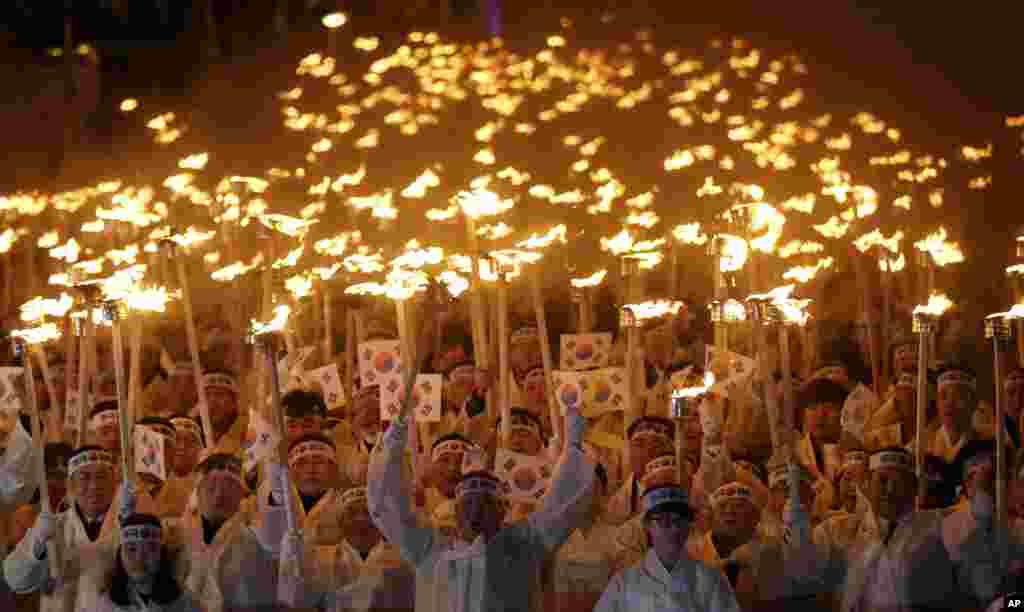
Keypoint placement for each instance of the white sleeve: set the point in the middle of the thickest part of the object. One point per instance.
(23, 572)
(388, 499)
(721, 598)
(17, 477)
(567, 500)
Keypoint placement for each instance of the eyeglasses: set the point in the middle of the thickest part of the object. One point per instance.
(668, 521)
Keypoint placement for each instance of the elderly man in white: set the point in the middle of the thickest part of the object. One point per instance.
(485, 565)
(898, 560)
(668, 580)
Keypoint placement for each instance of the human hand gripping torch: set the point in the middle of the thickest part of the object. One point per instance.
(33, 339)
(999, 329)
(264, 336)
(684, 404)
(776, 308)
(926, 319)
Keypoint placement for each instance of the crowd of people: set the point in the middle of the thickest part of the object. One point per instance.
(821, 510)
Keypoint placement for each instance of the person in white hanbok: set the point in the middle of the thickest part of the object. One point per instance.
(83, 535)
(142, 578)
(485, 566)
(668, 580)
(898, 561)
(18, 480)
(227, 563)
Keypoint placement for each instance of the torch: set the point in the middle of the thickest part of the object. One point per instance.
(581, 294)
(113, 312)
(193, 340)
(729, 254)
(37, 311)
(632, 317)
(86, 356)
(926, 319)
(683, 405)
(332, 22)
(776, 308)
(1016, 272)
(264, 336)
(1000, 330)
(33, 339)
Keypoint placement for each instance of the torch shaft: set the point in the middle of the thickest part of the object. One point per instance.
(125, 425)
(328, 347)
(922, 404)
(545, 351)
(40, 463)
(71, 356)
(193, 347)
(278, 416)
(51, 390)
(85, 350)
(503, 360)
(789, 405)
(135, 369)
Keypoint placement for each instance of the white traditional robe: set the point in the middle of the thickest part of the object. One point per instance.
(502, 574)
(238, 568)
(17, 478)
(185, 603)
(76, 553)
(691, 586)
(910, 571)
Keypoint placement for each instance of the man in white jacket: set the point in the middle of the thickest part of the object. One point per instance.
(667, 580)
(84, 534)
(17, 462)
(485, 566)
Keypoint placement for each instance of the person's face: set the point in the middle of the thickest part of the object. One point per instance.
(892, 492)
(524, 354)
(905, 397)
(535, 390)
(461, 385)
(735, 517)
(186, 453)
(1014, 397)
(905, 358)
(359, 528)
(92, 487)
(980, 476)
(853, 477)
(642, 449)
(107, 437)
(667, 532)
(141, 559)
(368, 415)
(223, 407)
(298, 427)
(314, 474)
(525, 442)
(955, 405)
(448, 472)
(220, 495)
(823, 421)
(477, 514)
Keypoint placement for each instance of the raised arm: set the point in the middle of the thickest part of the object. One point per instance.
(570, 491)
(388, 496)
(26, 569)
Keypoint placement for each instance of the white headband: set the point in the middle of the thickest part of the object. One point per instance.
(448, 446)
(185, 424)
(91, 457)
(661, 463)
(220, 381)
(854, 458)
(311, 448)
(135, 534)
(228, 473)
(779, 475)
(894, 459)
(478, 484)
(957, 377)
(524, 334)
(733, 490)
(462, 371)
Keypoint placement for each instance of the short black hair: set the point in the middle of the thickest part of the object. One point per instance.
(601, 473)
(56, 455)
(220, 461)
(821, 391)
(155, 420)
(651, 419)
(299, 403)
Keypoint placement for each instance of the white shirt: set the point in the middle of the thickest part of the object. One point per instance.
(691, 586)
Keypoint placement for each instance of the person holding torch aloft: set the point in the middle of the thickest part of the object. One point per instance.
(484, 566)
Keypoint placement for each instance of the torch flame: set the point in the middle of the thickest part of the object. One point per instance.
(276, 324)
(593, 280)
(942, 252)
(937, 305)
(299, 286)
(690, 392)
(38, 308)
(545, 240)
(482, 202)
(654, 309)
(289, 226)
(37, 335)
